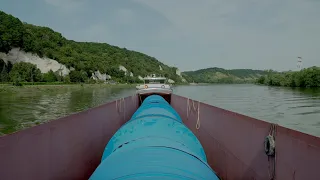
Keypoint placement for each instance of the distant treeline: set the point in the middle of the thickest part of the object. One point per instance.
(309, 77)
(219, 75)
(84, 57)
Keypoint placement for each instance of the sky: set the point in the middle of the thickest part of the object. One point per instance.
(189, 34)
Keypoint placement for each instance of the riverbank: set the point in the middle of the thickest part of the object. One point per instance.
(309, 77)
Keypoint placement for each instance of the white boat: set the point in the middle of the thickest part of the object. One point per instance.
(154, 85)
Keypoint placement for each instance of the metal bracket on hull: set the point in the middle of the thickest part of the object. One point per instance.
(270, 150)
(270, 143)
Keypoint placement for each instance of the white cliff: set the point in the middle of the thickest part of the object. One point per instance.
(171, 81)
(122, 68)
(141, 78)
(98, 76)
(178, 72)
(44, 64)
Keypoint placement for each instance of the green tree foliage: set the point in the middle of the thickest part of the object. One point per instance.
(219, 75)
(25, 72)
(4, 71)
(50, 77)
(309, 77)
(86, 57)
(115, 72)
(66, 79)
(78, 76)
(11, 32)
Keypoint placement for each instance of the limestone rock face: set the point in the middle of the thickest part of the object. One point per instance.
(122, 68)
(178, 72)
(171, 81)
(98, 76)
(44, 64)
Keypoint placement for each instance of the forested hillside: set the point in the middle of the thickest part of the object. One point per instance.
(219, 75)
(83, 58)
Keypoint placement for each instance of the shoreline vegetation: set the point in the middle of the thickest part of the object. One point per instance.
(24, 73)
(308, 77)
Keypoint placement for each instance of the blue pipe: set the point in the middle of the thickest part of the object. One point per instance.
(154, 144)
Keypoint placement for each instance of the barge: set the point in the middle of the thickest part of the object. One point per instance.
(159, 136)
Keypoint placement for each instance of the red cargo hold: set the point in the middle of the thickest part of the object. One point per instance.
(71, 147)
(234, 145)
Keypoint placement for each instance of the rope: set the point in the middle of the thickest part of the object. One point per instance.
(189, 107)
(124, 109)
(140, 99)
(272, 130)
(198, 120)
(117, 108)
(133, 98)
(118, 105)
(194, 109)
(193, 105)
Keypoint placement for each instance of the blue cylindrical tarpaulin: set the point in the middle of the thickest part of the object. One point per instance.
(154, 144)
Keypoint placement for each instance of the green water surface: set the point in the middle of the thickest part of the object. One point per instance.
(299, 109)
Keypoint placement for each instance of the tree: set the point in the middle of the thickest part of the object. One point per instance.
(4, 77)
(78, 76)
(261, 80)
(66, 79)
(50, 76)
(75, 76)
(26, 72)
(11, 32)
(309, 77)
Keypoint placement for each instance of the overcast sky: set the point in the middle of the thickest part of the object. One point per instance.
(189, 34)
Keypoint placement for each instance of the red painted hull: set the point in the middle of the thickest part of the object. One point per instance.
(71, 147)
(234, 145)
(67, 148)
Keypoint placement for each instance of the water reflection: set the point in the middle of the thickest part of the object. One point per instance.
(26, 107)
(295, 108)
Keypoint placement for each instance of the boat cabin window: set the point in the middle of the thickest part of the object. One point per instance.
(154, 81)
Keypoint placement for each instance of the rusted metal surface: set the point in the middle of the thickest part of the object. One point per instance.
(234, 144)
(67, 148)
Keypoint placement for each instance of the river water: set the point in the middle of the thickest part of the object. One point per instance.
(297, 109)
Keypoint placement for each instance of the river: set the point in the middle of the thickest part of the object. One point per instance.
(297, 109)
